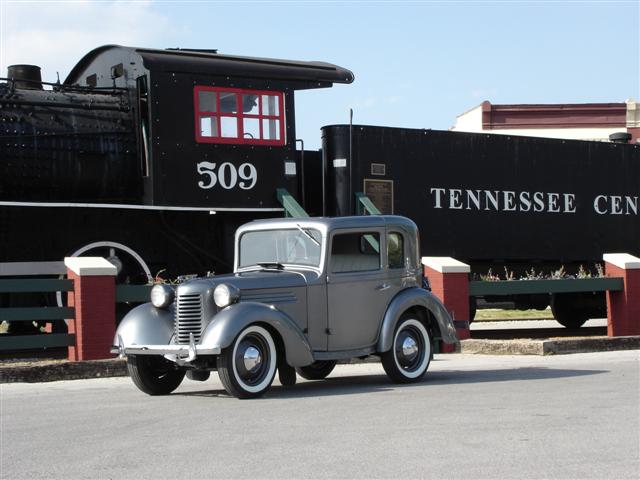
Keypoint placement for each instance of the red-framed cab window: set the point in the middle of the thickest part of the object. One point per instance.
(239, 116)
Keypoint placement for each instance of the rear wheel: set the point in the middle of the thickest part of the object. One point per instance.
(410, 353)
(247, 367)
(154, 375)
(317, 370)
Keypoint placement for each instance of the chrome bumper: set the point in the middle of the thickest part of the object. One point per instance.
(185, 353)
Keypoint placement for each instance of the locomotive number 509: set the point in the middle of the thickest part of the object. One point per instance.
(227, 176)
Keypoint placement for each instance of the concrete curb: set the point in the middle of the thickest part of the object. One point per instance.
(56, 370)
(549, 346)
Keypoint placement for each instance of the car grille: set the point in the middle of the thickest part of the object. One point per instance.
(188, 317)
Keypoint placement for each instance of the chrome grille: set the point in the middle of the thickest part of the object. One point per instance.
(188, 317)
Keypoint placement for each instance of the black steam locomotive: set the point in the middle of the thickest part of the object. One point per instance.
(152, 158)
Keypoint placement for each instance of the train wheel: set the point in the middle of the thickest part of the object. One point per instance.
(131, 268)
(568, 310)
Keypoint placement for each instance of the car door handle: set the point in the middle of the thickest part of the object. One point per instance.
(382, 287)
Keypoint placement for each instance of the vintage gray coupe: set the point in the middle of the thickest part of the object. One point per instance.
(305, 293)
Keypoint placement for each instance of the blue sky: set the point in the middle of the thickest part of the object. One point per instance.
(417, 64)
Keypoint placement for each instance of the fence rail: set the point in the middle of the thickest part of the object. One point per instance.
(520, 287)
(132, 293)
(45, 314)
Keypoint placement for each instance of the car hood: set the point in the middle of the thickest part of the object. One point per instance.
(250, 280)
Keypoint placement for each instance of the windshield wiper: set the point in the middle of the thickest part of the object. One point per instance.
(306, 232)
(272, 265)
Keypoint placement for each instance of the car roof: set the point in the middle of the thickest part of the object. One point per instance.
(326, 224)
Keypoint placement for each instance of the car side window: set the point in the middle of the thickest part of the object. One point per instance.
(395, 250)
(355, 252)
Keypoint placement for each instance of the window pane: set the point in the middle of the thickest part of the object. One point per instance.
(208, 127)
(355, 252)
(395, 250)
(251, 128)
(302, 247)
(228, 102)
(270, 105)
(229, 127)
(250, 104)
(271, 129)
(207, 101)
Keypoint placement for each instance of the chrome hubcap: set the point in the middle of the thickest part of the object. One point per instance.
(409, 348)
(252, 359)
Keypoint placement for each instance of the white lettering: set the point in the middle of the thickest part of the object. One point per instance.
(207, 169)
(459, 198)
(632, 204)
(538, 200)
(525, 201)
(489, 197)
(569, 203)
(227, 175)
(596, 204)
(251, 176)
(454, 199)
(473, 196)
(509, 201)
(439, 192)
(553, 202)
(616, 208)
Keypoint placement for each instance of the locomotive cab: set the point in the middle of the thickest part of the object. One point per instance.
(214, 131)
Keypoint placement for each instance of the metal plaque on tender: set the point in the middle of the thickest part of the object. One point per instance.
(380, 192)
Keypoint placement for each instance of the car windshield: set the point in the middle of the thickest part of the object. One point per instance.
(299, 246)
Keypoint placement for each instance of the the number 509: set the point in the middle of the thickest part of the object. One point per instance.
(227, 176)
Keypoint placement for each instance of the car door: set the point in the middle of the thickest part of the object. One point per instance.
(357, 288)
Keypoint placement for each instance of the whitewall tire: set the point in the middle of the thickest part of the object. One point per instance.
(410, 353)
(247, 367)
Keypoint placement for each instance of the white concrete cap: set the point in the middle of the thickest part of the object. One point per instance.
(622, 260)
(90, 266)
(445, 265)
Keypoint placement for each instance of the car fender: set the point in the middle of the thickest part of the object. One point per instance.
(146, 325)
(229, 322)
(403, 301)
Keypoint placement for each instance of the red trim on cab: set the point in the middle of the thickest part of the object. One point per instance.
(240, 116)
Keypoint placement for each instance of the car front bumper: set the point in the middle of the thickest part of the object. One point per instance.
(184, 353)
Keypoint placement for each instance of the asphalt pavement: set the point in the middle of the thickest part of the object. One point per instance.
(569, 416)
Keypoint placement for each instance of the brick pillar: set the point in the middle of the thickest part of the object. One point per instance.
(93, 297)
(449, 280)
(623, 308)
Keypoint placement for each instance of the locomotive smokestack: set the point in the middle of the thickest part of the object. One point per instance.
(25, 76)
(620, 137)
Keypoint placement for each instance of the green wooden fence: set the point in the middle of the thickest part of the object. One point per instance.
(124, 294)
(31, 314)
(563, 285)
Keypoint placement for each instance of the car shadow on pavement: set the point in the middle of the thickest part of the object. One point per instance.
(363, 384)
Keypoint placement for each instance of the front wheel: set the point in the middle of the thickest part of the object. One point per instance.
(154, 375)
(410, 353)
(247, 367)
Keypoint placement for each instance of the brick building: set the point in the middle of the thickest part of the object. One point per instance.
(579, 121)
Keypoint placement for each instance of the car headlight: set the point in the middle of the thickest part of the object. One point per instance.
(161, 296)
(224, 295)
